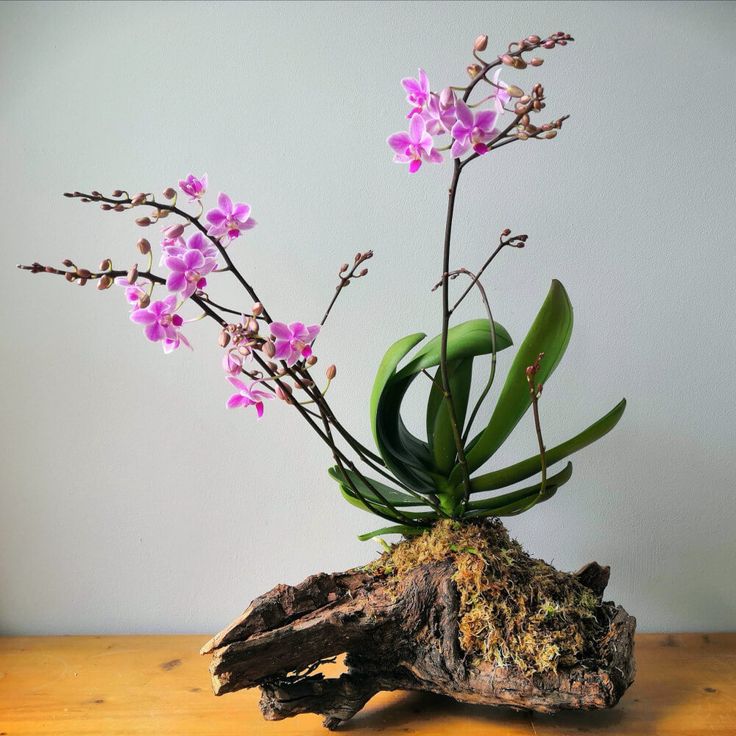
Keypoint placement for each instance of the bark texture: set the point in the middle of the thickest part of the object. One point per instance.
(396, 638)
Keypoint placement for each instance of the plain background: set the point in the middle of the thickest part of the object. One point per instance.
(133, 501)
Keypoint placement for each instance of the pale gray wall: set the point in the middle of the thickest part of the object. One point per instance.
(132, 501)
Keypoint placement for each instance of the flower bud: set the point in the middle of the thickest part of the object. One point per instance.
(144, 246)
(533, 39)
(105, 265)
(507, 59)
(447, 97)
(118, 208)
(269, 348)
(257, 309)
(69, 277)
(105, 207)
(104, 283)
(144, 301)
(174, 231)
(117, 192)
(331, 372)
(549, 44)
(519, 63)
(132, 274)
(224, 339)
(169, 193)
(68, 263)
(252, 325)
(551, 134)
(311, 360)
(343, 268)
(363, 272)
(481, 43)
(143, 221)
(138, 198)
(84, 273)
(536, 61)
(473, 70)
(160, 214)
(514, 91)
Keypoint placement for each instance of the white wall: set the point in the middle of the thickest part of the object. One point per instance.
(132, 501)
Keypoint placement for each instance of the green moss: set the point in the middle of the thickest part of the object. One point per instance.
(514, 610)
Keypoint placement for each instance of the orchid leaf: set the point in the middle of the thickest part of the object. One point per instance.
(533, 465)
(507, 503)
(439, 428)
(407, 531)
(394, 497)
(549, 334)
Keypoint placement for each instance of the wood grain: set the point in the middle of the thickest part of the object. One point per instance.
(130, 685)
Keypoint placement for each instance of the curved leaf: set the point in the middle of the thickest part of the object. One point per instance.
(408, 457)
(503, 505)
(393, 496)
(549, 334)
(407, 531)
(532, 465)
(439, 429)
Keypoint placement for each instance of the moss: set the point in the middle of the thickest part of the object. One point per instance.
(514, 610)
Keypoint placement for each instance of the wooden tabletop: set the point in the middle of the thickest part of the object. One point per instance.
(159, 685)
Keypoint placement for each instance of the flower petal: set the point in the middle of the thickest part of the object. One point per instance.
(225, 203)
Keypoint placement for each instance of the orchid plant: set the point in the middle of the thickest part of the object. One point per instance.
(422, 479)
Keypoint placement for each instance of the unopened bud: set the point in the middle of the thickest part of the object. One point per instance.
(257, 309)
(104, 283)
(142, 221)
(363, 272)
(252, 325)
(138, 198)
(269, 349)
(507, 59)
(519, 63)
(169, 193)
(522, 136)
(68, 263)
(533, 39)
(551, 134)
(143, 246)
(536, 61)
(311, 360)
(106, 207)
(84, 273)
(174, 231)
(481, 43)
(447, 97)
(224, 339)
(506, 231)
(117, 192)
(144, 301)
(514, 91)
(331, 372)
(344, 268)
(105, 265)
(118, 208)
(549, 44)
(132, 274)
(160, 214)
(69, 277)
(473, 70)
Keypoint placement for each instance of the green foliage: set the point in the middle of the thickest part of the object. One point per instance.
(427, 471)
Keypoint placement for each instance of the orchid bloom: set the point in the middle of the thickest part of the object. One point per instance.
(189, 268)
(414, 147)
(232, 362)
(194, 187)
(439, 115)
(133, 292)
(472, 130)
(247, 396)
(501, 96)
(161, 323)
(228, 219)
(417, 92)
(293, 342)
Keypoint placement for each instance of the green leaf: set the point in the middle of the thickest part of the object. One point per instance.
(517, 501)
(378, 510)
(532, 465)
(397, 498)
(407, 531)
(439, 429)
(549, 334)
(407, 456)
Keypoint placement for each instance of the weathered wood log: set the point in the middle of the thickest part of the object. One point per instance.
(404, 637)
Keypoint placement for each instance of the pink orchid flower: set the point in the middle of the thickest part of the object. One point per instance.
(247, 396)
(161, 323)
(439, 115)
(414, 147)
(501, 96)
(232, 362)
(189, 268)
(472, 130)
(133, 292)
(417, 92)
(293, 342)
(228, 219)
(194, 187)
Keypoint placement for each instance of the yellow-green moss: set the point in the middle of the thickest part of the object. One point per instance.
(513, 609)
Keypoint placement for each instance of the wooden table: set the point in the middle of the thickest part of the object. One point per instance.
(159, 685)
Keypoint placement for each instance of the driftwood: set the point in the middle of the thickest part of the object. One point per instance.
(405, 639)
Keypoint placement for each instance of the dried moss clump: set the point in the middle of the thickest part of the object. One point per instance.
(514, 609)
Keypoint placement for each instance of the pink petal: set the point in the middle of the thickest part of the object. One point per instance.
(417, 129)
(415, 165)
(486, 119)
(399, 141)
(176, 264)
(259, 408)
(237, 383)
(464, 114)
(235, 401)
(280, 331)
(225, 203)
(176, 281)
(216, 217)
(142, 317)
(241, 211)
(154, 332)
